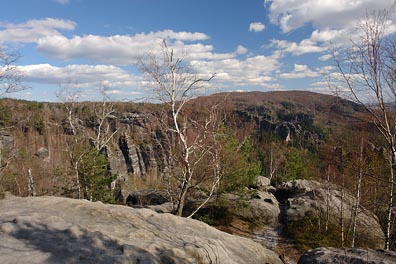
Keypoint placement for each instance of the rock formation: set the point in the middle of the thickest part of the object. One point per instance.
(261, 207)
(61, 230)
(314, 199)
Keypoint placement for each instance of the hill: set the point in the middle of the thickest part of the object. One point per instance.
(301, 119)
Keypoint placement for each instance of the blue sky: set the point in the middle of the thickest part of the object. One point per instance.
(250, 45)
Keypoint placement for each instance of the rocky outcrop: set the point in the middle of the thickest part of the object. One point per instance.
(61, 230)
(132, 151)
(347, 255)
(304, 198)
(260, 207)
(287, 123)
(6, 140)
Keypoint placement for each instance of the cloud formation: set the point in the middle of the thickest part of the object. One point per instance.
(34, 30)
(62, 2)
(111, 52)
(256, 27)
(328, 21)
(125, 49)
(305, 46)
(331, 22)
(83, 75)
(299, 71)
(252, 71)
(291, 14)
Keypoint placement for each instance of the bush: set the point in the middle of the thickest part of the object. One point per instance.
(240, 166)
(310, 232)
(300, 164)
(215, 215)
(94, 177)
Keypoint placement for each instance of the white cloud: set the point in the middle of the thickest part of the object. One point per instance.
(82, 75)
(256, 27)
(322, 14)
(332, 21)
(33, 30)
(252, 71)
(124, 49)
(299, 71)
(62, 2)
(241, 50)
(119, 50)
(305, 46)
(184, 36)
(325, 57)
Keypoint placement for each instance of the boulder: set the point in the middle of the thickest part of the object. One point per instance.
(6, 140)
(305, 198)
(263, 182)
(42, 153)
(260, 207)
(347, 255)
(62, 230)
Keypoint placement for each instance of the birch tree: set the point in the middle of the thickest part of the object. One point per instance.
(188, 141)
(367, 70)
(10, 82)
(10, 75)
(86, 148)
(69, 95)
(103, 131)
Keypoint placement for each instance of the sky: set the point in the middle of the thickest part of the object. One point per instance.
(251, 45)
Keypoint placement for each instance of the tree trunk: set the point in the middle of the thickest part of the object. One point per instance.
(328, 199)
(182, 199)
(77, 180)
(31, 185)
(390, 201)
(358, 194)
(342, 213)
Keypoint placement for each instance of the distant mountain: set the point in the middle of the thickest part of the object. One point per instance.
(327, 109)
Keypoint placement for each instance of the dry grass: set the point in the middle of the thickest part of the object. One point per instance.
(146, 182)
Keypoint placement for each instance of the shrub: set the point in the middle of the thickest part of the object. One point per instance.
(215, 215)
(310, 232)
(240, 166)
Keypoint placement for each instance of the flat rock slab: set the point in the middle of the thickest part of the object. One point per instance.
(62, 230)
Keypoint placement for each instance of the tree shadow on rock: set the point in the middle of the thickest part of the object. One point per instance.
(76, 245)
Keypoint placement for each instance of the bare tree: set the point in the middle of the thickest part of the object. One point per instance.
(10, 81)
(186, 139)
(358, 191)
(78, 146)
(368, 75)
(69, 95)
(103, 131)
(275, 160)
(10, 75)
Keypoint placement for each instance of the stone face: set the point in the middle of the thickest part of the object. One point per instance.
(315, 199)
(61, 230)
(262, 208)
(347, 255)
